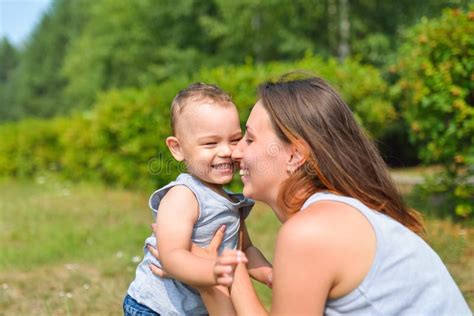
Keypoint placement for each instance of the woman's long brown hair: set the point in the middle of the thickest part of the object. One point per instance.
(341, 158)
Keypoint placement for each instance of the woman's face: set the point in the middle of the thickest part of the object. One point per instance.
(263, 158)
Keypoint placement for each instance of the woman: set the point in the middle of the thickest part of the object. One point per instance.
(348, 243)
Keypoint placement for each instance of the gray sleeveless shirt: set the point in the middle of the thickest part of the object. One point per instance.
(172, 297)
(406, 277)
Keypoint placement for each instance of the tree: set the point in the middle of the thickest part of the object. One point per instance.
(83, 47)
(436, 86)
(8, 63)
(376, 25)
(8, 59)
(38, 83)
(135, 43)
(267, 30)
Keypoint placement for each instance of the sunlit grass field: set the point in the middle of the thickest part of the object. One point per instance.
(72, 249)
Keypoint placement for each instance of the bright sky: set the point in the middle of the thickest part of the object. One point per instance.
(19, 17)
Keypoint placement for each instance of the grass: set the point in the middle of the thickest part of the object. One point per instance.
(72, 249)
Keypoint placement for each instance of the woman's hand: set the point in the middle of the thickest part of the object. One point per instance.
(154, 269)
(208, 253)
(269, 281)
(226, 264)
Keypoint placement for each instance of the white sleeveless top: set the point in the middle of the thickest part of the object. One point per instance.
(406, 277)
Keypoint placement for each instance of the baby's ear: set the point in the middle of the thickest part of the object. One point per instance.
(175, 148)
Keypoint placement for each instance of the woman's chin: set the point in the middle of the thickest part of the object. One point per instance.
(247, 192)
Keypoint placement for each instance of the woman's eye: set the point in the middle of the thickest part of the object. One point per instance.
(248, 141)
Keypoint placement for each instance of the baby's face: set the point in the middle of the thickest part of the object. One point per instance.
(208, 134)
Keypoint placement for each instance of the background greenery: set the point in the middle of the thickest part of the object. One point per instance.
(84, 113)
(90, 100)
(96, 108)
(72, 249)
(120, 141)
(83, 47)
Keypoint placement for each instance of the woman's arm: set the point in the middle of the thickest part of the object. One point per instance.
(217, 300)
(243, 295)
(303, 269)
(258, 266)
(230, 270)
(304, 272)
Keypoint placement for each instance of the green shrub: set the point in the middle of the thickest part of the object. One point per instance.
(30, 146)
(436, 69)
(121, 141)
(361, 86)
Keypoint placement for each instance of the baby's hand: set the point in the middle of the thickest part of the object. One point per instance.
(225, 265)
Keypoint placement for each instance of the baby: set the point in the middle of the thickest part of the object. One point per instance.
(206, 128)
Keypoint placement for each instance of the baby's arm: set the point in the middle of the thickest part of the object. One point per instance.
(177, 214)
(258, 266)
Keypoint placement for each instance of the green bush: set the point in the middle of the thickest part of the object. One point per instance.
(361, 86)
(30, 146)
(436, 69)
(121, 141)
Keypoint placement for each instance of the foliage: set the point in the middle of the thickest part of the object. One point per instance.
(9, 58)
(361, 86)
(267, 30)
(134, 44)
(37, 84)
(121, 141)
(82, 48)
(435, 197)
(30, 146)
(436, 90)
(375, 25)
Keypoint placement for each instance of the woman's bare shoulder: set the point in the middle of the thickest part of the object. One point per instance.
(309, 247)
(321, 218)
(337, 232)
(330, 227)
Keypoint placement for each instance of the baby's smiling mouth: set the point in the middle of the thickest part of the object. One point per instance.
(223, 166)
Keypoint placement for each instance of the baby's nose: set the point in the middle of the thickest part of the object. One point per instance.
(225, 151)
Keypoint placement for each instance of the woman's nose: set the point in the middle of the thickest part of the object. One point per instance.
(238, 150)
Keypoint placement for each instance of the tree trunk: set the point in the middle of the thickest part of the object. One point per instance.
(343, 49)
(257, 45)
(332, 26)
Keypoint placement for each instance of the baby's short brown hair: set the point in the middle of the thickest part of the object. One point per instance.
(198, 91)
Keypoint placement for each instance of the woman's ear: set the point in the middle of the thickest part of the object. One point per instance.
(175, 148)
(299, 154)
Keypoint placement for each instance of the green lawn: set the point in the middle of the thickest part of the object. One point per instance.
(72, 249)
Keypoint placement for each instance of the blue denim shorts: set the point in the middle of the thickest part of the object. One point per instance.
(133, 308)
